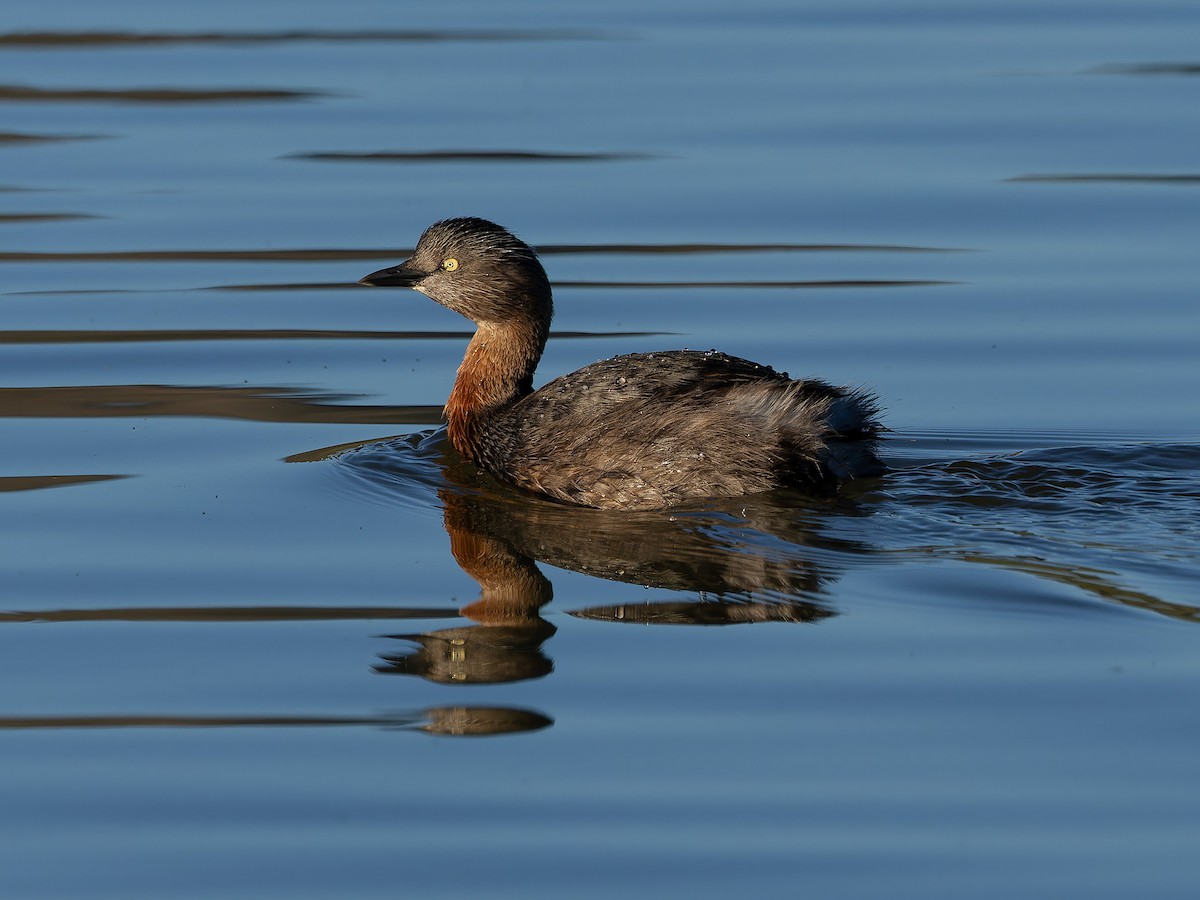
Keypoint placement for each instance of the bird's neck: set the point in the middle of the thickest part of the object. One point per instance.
(496, 372)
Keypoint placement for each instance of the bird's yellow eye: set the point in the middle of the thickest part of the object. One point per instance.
(449, 263)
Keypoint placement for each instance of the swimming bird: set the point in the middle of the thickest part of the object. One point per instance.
(639, 431)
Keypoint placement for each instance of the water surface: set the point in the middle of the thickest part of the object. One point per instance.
(263, 633)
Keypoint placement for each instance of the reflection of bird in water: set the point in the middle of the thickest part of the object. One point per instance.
(642, 431)
(495, 534)
(741, 573)
(771, 549)
(482, 721)
(506, 644)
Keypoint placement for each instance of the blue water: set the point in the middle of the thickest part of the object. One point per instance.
(263, 634)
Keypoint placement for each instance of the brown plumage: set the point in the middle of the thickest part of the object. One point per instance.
(642, 431)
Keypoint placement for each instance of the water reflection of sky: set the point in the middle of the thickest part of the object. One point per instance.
(234, 623)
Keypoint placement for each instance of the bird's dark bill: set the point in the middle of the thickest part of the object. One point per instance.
(396, 276)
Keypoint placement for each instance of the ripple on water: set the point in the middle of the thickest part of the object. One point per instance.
(407, 470)
(1115, 521)
(1083, 484)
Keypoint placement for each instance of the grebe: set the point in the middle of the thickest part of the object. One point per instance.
(641, 431)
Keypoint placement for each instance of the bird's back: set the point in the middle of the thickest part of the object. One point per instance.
(653, 430)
